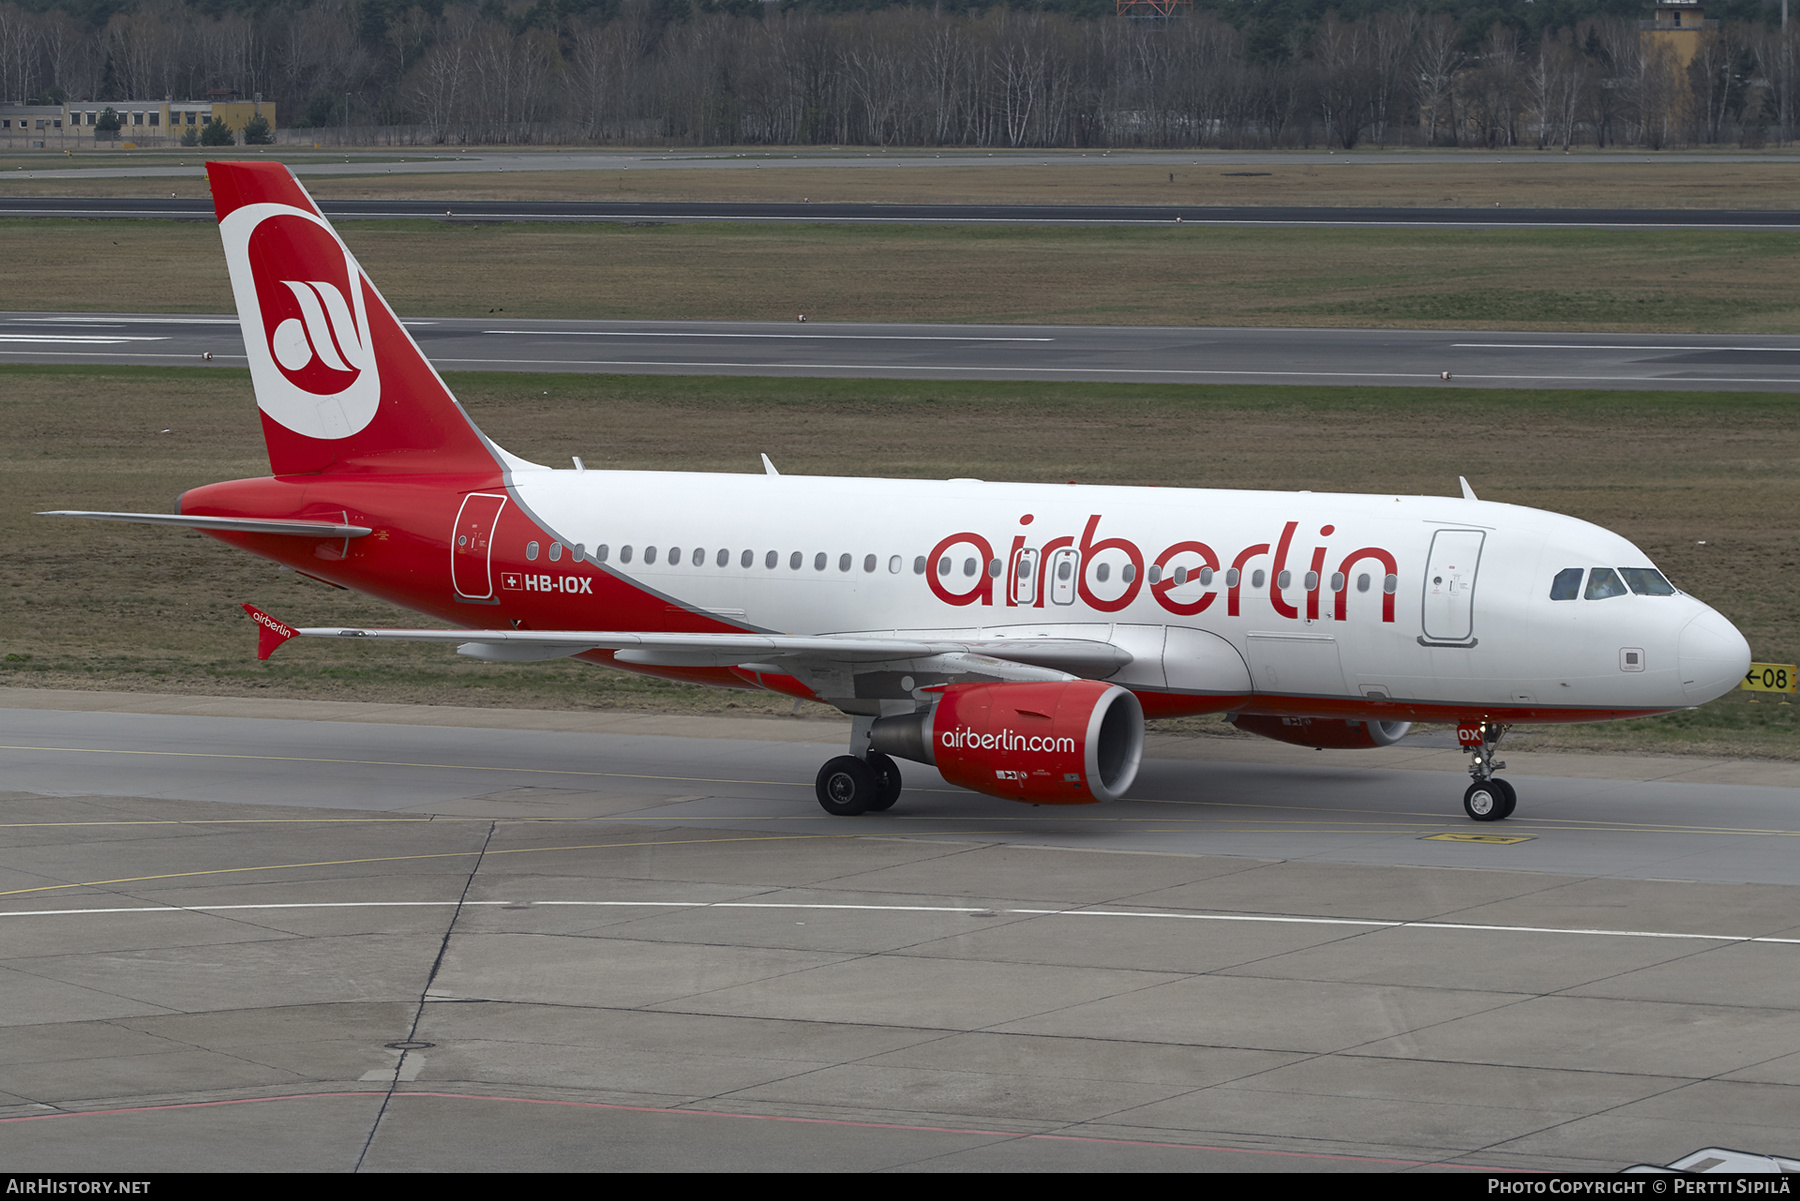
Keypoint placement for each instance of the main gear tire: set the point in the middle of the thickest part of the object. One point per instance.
(887, 780)
(847, 786)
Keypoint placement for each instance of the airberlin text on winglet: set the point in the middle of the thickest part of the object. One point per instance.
(270, 634)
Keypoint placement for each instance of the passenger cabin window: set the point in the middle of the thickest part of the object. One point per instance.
(624, 554)
(556, 552)
(531, 549)
(1604, 582)
(649, 554)
(1647, 581)
(1566, 585)
(700, 557)
(600, 553)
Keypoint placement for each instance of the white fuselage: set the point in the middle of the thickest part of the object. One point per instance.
(1348, 599)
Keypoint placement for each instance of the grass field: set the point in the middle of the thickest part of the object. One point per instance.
(1705, 483)
(1603, 280)
(1513, 179)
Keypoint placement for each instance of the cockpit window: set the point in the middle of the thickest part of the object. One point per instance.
(1647, 581)
(1566, 585)
(1604, 582)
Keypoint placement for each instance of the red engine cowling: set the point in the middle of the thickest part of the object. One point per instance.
(1332, 732)
(1063, 743)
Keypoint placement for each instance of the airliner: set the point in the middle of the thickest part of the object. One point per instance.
(1015, 637)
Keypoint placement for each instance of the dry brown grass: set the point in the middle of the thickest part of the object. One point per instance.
(1517, 179)
(1717, 280)
(95, 605)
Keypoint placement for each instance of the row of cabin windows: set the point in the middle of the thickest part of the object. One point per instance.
(1064, 569)
(697, 557)
(1604, 582)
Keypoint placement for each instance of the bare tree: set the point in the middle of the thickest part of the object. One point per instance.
(1437, 58)
(1345, 60)
(19, 38)
(1557, 81)
(1718, 79)
(1394, 35)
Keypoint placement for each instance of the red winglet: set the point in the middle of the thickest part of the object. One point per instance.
(270, 634)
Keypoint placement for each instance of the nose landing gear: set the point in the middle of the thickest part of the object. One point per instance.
(1489, 798)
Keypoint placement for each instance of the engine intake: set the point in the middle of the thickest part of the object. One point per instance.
(1069, 742)
(1335, 733)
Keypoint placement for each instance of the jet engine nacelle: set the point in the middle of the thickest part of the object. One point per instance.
(1068, 742)
(1332, 732)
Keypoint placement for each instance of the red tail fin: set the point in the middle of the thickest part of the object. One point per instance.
(341, 384)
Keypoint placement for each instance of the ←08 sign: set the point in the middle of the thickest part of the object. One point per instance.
(1769, 677)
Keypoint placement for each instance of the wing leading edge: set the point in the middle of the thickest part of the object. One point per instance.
(1078, 657)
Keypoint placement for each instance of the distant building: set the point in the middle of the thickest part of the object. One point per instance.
(1678, 25)
(31, 120)
(140, 121)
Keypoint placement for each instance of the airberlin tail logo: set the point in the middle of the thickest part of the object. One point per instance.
(301, 302)
(325, 330)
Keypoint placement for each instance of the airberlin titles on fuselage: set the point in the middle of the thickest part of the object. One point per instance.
(1064, 568)
(1104, 574)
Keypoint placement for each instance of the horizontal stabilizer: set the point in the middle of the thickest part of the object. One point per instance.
(240, 525)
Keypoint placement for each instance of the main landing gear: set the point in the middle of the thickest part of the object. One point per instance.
(1489, 798)
(851, 784)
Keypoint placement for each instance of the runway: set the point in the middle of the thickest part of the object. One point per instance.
(306, 935)
(307, 160)
(469, 212)
(1473, 358)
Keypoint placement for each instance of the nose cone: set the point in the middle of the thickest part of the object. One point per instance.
(1713, 658)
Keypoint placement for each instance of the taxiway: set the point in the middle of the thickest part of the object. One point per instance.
(1472, 358)
(269, 934)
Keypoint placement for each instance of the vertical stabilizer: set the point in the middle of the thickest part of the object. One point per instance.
(341, 384)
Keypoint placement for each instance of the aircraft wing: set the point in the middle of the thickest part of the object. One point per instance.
(1072, 655)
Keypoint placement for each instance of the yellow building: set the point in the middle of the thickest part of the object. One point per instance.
(1677, 25)
(150, 121)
